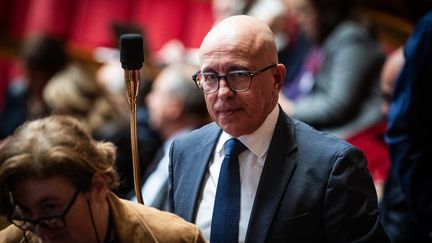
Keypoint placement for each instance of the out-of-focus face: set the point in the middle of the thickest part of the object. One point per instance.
(304, 12)
(39, 198)
(389, 73)
(241, 47)
(158, 102)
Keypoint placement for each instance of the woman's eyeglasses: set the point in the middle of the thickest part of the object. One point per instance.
(52, 222)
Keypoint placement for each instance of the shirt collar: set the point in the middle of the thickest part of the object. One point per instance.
(258, 141)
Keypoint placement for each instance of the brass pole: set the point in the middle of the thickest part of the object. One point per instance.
(132, 85)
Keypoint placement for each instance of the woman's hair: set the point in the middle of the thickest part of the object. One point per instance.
(51, 146)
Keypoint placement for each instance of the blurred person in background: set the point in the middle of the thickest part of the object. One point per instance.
(175, 107)
(343, 94)
(55, 186)
(75, 92)
(371, 139)
(389, 74)
(41, 57)
(407, 201)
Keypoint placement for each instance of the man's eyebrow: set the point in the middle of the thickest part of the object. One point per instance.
(238, 68)
(230, 69)
(208, 71)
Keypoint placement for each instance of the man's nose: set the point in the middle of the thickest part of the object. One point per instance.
(224, 88)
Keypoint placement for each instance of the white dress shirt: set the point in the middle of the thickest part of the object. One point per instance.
(251, 165)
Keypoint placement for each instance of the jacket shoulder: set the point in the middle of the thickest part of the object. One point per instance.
(168, 227)
(201, 135)
(138, 223)
(320, 146)
(309, 136)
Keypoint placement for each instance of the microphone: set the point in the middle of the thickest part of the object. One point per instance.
(132, 58)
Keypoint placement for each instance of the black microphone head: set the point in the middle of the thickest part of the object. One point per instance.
(131, 51)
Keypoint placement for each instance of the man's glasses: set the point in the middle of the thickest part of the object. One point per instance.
(239, 80)
(52, 222)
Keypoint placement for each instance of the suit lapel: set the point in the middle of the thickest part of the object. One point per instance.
(274, 179)
(193, 177)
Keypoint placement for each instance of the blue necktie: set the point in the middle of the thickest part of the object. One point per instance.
(226, 211)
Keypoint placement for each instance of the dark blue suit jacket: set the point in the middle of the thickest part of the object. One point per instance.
(407, 201)
(313, 188)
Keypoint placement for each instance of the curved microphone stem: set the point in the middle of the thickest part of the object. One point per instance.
(132, 85)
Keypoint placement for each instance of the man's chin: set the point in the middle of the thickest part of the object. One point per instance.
(233, 129)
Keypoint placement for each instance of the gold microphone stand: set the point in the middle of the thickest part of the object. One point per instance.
(132, 86)
(132, 58)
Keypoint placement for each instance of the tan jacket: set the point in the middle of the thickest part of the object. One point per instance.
(133, 223)
(3, 223)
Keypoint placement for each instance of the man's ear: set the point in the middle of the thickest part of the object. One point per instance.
(279, 76)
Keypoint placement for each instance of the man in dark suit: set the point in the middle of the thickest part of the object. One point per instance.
(296, 184)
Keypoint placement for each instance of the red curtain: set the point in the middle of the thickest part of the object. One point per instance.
(87, 23)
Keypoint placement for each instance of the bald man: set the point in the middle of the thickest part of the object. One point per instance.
(295, 184)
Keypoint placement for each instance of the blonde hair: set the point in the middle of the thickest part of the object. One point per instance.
(55, 145)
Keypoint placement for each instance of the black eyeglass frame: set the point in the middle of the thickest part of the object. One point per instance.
(225, 77)
(45, 221)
